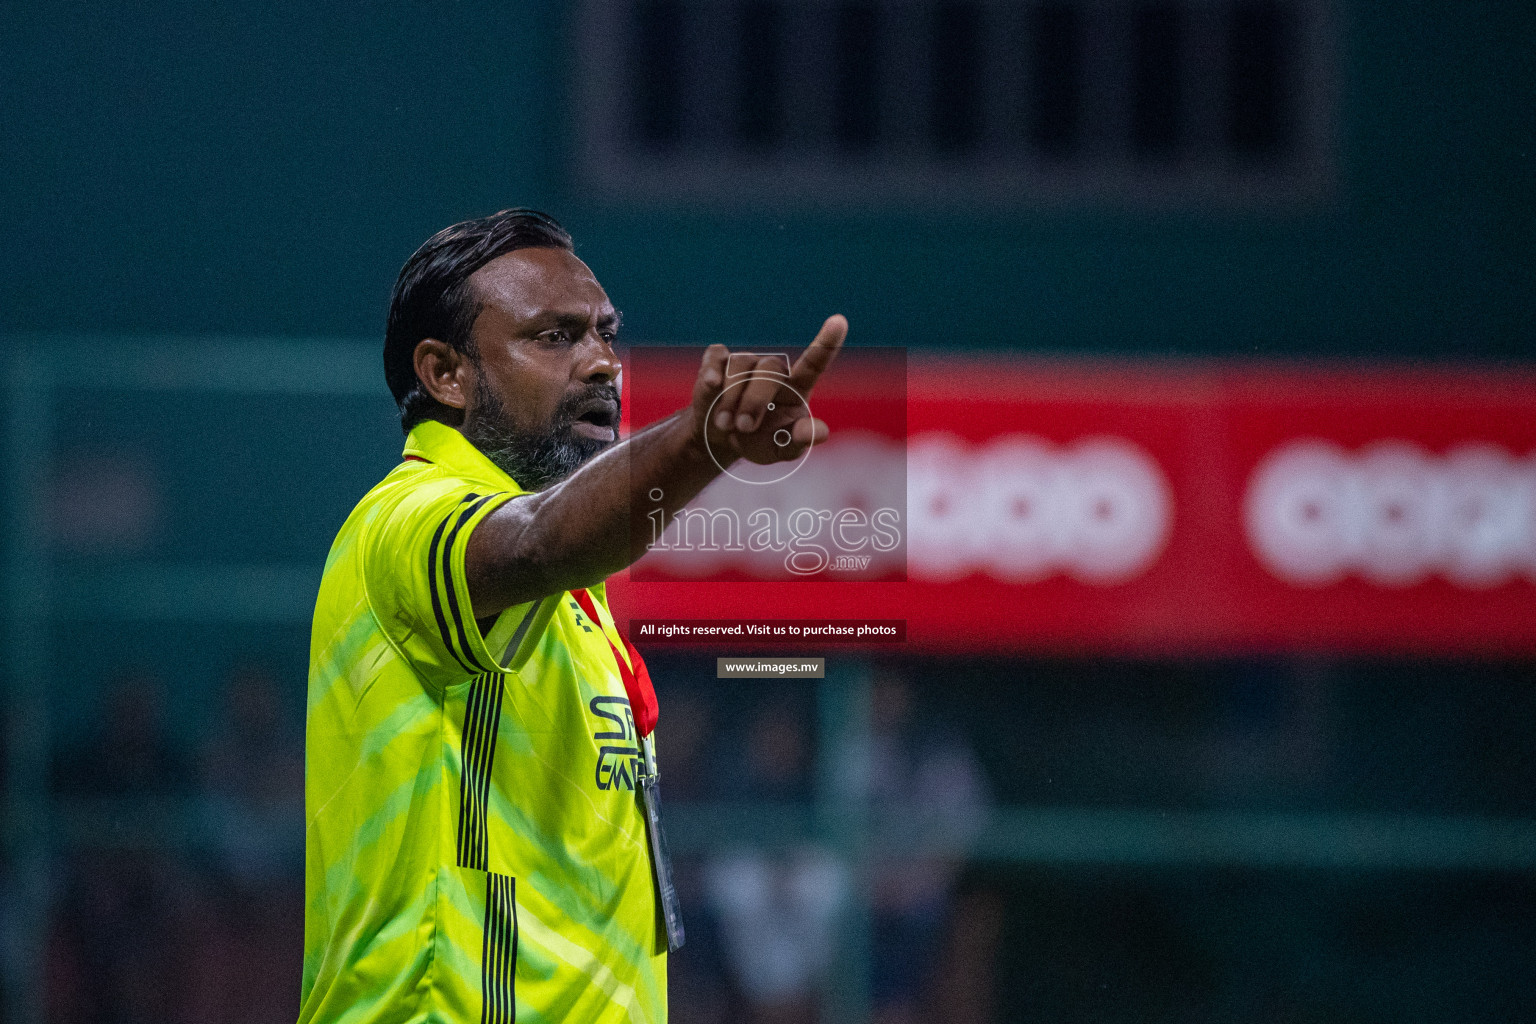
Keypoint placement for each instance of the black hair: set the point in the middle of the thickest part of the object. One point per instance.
(433, 298)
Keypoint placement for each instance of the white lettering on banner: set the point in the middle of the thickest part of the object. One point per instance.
(1017, 508)
(1020, 508)
(1393, 513)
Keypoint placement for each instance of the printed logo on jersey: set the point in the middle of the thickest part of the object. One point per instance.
(581, 617)
(618, 749)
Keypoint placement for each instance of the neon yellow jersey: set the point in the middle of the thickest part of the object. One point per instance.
(475, 851)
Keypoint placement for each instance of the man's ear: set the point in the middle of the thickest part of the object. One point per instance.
(444, 372)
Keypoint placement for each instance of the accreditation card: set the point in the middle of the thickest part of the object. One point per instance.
(661, 859)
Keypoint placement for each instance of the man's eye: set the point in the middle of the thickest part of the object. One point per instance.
(610, 336)
(556, 337)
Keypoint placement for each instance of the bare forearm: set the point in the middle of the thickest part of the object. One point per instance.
(588, 527)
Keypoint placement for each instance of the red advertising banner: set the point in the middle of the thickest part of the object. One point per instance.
(1179, 507)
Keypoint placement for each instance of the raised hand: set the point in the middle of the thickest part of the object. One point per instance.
(733, 394)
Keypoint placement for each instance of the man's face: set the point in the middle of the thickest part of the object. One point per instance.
(546, 394)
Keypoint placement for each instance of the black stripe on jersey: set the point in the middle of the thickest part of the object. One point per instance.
(510, 654)
(437, 604)
(450, 589)
(498, 954)
(482, 717)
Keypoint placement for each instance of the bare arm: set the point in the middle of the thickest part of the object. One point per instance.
(586, 528)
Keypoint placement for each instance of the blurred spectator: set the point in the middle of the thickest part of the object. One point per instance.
(136, 936)
(118, 949)
(684, 760)
(128, 752)
(253, 783)
(699, 984)
(249, 950)
(700, 991)
(252, 811)
(777, 915)
(124, 898)
(775, 758)
(926, 783)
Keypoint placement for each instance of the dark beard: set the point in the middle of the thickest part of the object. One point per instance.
(537, 459)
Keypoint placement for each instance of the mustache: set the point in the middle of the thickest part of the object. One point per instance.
(566, 411)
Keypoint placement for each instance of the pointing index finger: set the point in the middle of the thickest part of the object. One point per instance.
(814, 361)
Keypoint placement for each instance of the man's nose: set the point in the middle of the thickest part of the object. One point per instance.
(601, 363)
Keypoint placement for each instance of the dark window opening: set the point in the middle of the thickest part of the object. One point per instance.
(1157, 88)
(1259, 58)
(1056, 86)
(863, 98)
(658, 83)
(857, 88)
(759, 99)
(957, 32)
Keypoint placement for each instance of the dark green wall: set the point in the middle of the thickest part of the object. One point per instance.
(194, 167)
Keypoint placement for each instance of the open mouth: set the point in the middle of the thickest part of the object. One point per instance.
(599, 417)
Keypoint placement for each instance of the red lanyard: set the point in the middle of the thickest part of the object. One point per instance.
(637, 680)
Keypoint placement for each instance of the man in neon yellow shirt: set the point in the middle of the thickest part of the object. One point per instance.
(480, 771)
